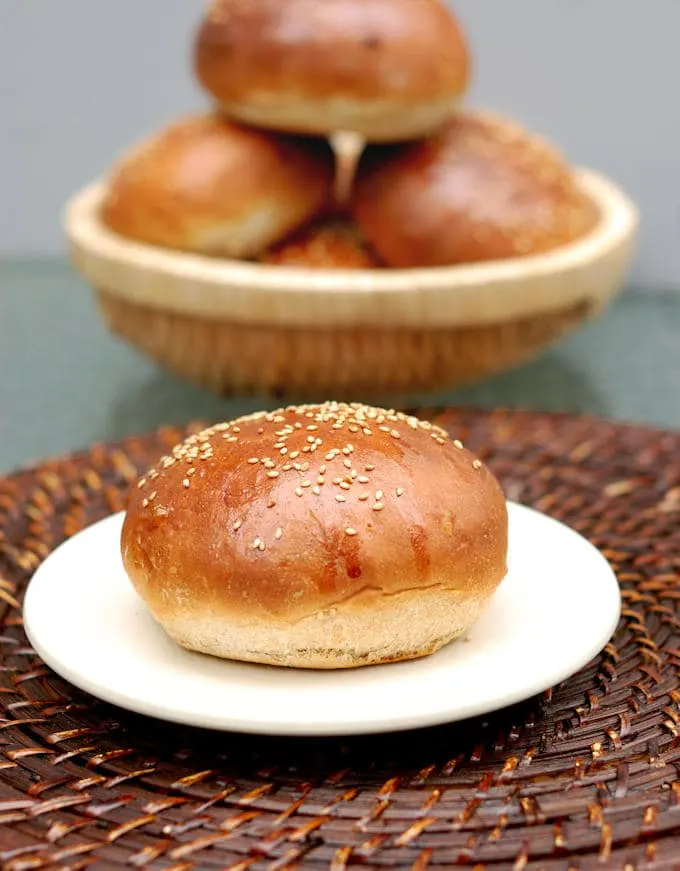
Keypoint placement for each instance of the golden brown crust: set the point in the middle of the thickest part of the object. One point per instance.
(328, 510)
(482, 189)
(212, 187)
(330, 243)
(388, 69)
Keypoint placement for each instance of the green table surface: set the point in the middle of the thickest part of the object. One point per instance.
(65, 383)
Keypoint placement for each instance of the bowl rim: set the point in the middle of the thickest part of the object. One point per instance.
(216, 286)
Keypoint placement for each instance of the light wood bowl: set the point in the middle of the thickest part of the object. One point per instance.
(244, 327)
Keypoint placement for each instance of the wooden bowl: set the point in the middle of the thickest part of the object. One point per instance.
(244, 327)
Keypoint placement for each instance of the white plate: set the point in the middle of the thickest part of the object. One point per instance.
(556, 609)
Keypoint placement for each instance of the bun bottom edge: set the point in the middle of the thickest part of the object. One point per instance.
(373, 120)
(392, 631)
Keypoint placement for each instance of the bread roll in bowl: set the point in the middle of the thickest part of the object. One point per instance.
(207, 186)
(327, 243)
(481, 189)
(326, 536)
(387, 69)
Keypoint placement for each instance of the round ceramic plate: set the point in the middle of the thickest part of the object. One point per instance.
(555, 610)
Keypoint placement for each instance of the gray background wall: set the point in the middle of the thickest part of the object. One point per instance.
(80, 79)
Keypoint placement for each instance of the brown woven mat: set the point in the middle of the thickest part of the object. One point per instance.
(586, 777)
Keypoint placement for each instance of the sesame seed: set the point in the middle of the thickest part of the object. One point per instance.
(378, 495)
(191, 472)
(257, 543)
(278, 534)
(458, 444)
(362, 479)
(347, 464)
(298, 491)
(145, 503)
(287, 467)
(378, 506)
(350, 531)
(316, 490)
(344, 485)
(253, 460)
(347, 451)
(400, 491)
(476, 464)
(370, 467)
(441, 441)
(340, 498)
(330, 456)
(185, 483)
(262, 546)
(320, 480)
(395, 434)
(237, 525)
(283, 451)
(306, 484)
(268, 464)
(322, 469)
(141, 483)
(364, 497)
(367, 431)
(273, 474)
(295, 455)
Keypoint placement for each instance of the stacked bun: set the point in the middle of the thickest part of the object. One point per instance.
(275, 171)
(388, 70)
(481, 189)
(212, 187)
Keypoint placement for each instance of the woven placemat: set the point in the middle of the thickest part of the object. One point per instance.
(587, 776)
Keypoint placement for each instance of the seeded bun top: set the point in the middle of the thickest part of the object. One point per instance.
(482, 189)
(317, 536)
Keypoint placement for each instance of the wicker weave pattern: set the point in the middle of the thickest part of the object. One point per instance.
(228, 357)
(585, 777)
